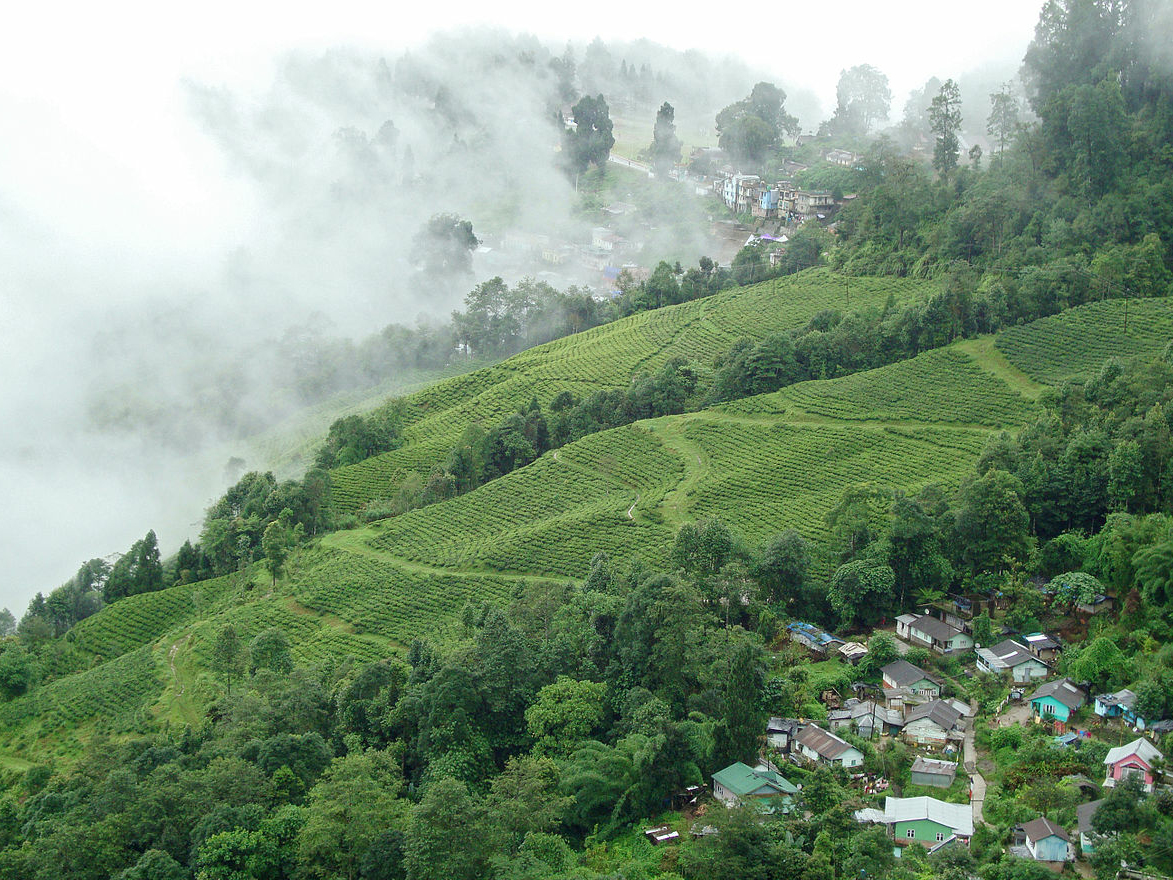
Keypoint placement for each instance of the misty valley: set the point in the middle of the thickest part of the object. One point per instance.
(597, 459)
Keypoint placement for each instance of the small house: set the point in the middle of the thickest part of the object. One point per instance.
(1011, 659)
(661, 834)
(853, 652)
(927, 821)
(927, 771)
(929, 632)
(1096, 605)
(902, 674)
(1121, 704)
(866, 717)
(1045, 841)
(1088, 838)
(933, 724)
(781, 733)
(821, 747)
(739, 784)
(1134, 760)
(1057, 700)
(812, 637)
(1043, 646)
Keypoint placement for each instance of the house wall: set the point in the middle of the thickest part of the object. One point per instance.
(1132, 765)
(1028, 671)
(851, 758)
(924, 731)
(1049, 707)
(1087, 844)
(932, 779)
(1050, 849)
(723, 794)
(924, 831)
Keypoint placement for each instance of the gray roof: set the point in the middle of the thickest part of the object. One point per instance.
(1084, 814)
(1125, 698)
(1041, 828)
(1040, 641)
(938, 711)
(826, 744)
(902, 673)
(1063, 690)
(935, 629)
(1011, 654)
(782, 725)
(1140, 747)
(937, 768)
(959, 817)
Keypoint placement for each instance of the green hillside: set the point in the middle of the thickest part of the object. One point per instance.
(1078, 341)
(605, 357)
(763, 464)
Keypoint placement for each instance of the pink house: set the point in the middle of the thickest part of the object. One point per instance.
(1134, 759)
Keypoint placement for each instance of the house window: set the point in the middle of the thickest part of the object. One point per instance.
(911, 833)
(940, 836)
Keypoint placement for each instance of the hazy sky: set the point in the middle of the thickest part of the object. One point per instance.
(109, 188)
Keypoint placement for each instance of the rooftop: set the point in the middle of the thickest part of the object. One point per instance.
(934, 629)
(741, 779)
(938, 711)
(1140, 747)
(825, 744)
(1084, 814)
(929, 765)
(959, 817)
(902, 673)
(1062, 690)
(1041, 828)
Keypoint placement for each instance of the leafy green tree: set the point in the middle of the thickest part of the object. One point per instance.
(154, 865)
(281, 536)
(1076, 587)
(354, 803)
(992, 523)
(945, 121)
(750, 129)
(444, 245)
(564, 714)
(703, 547)
(1100, 662)
(235, 855)
(742, 722)
(7, 623)
(1003, 122)
(666, 147)
(228, 655)
(782, 570)
(18, 671)
(524, 799)
(1154, 574)
(446, 838)
(590, 141)
(270, 650)
(860, 590)
(862, 98)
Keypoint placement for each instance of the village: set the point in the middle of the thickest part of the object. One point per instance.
(612, 252)
(915, 740)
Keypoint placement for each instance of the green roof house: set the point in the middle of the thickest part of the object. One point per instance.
(927, 821)
(739, 783)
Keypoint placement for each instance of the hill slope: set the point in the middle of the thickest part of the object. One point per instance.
(605, 357)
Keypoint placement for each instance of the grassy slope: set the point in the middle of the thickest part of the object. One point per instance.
(763, 464)
(605, 357)
(1076, 343)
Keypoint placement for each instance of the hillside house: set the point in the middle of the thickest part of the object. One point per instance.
(1045, 841)
(810, 636)
(740, 192)
(1134, 760)
(928, 632)
(1011, 659)
(853, 652)
(933, 724)
(741, 784)
(927, 771)
(843, 158)
(1096, 605)
(781, 733)
(1121, 704)
(1088, 838)
(820, 747)
(902, 674)
(1043, 646)
(1057, 700)
(866, 718)
(927, 821)
(768, 200)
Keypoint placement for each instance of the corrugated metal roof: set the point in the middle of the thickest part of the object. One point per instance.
(1062, 690)
(1041, 828)
(959, 817)
(825, 744)
(902, 673)
(1140, 747)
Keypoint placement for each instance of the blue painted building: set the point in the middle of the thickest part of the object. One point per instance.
(1056, 701)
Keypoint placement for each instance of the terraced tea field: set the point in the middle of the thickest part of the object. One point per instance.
(1075, 343)
(605, 357)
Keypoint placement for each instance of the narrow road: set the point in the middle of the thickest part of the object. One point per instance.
(977, 783)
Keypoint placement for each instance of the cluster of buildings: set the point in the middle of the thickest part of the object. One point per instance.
(782, 200)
